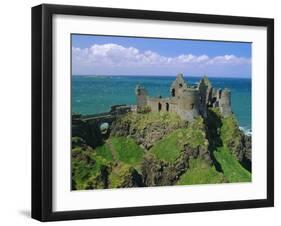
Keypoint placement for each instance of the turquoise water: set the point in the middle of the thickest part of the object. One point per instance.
(95, 94)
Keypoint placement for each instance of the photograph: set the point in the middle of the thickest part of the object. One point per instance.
(149, 111)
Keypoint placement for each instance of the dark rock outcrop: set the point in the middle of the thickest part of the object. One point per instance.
(246, 161)
(148, 133)
(224, 131)
(159, 173)
(132, 179)
(147, 137)
(124, 176)
(100, 180)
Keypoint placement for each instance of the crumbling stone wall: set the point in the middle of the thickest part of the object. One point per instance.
(187, 101)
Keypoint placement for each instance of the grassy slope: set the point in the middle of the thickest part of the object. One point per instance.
(104, 152)
(125, 153)
(232, 169)
(121, 149)
(118, 175)
(200, 173)
(169, 148)
(230, 135)
(141, 121)
(230, 132)
(86, 167)
(117, 150)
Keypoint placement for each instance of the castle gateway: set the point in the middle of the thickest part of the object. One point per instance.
(187, 101)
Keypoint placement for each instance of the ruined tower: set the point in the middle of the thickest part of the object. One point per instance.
(224, 101)
(205, 91)
(187, 101)
(178, 86)
(188, 104)
(141, 96)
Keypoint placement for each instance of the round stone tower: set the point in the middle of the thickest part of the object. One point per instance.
(141, 96)
(188, 104)
(225, 102)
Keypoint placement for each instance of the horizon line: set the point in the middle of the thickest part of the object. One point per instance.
(154, 75)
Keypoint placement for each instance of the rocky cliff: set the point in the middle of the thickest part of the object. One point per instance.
(157, 149)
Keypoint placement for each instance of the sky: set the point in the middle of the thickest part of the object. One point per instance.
(115, 55)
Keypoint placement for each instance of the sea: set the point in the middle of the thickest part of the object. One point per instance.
(95, 94)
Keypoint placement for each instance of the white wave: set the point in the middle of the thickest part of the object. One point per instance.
(246, 131)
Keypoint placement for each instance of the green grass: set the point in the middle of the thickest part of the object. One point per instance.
(125, 153)
(232, 169)
(104, 152)
(169, 148)
(230, 132)
(200, 172)
(126, 149)
(119, 156)
(85, 166)
(88, 163)
(117, 176)
(230, 136)
(141, 121)
(120, 149)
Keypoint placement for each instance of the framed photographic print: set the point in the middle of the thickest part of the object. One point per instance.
(145, 112)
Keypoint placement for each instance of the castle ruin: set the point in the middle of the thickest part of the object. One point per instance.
(186, 100)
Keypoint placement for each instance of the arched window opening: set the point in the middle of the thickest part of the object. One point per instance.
(167, 106)
(159, 106)
(173, 92)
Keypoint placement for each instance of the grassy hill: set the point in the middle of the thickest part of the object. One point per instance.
(159, 149)
(201, 173)
(115, 160)
(232, 169)
(170, 147)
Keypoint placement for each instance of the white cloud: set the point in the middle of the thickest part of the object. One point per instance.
(102, 58)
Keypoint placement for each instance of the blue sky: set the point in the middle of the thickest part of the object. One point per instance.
(112, 55)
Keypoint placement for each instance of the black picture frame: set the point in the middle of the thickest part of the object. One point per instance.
(42, 111)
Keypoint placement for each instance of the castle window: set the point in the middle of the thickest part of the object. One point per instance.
(192, 106)
(173, 92)
(159, 106)
(167, 106)
(180, 85)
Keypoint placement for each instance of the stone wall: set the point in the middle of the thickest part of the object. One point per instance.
(88, 127)
(188, 107)
(224, 102)
(161, 104)
(141, 96)
(187, 101)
